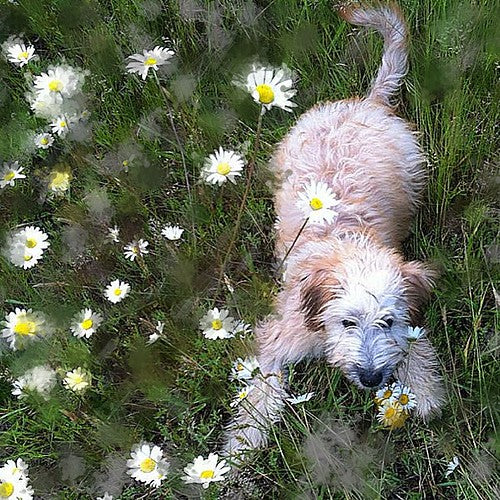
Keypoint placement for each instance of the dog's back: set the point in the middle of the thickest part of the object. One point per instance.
(359, 147)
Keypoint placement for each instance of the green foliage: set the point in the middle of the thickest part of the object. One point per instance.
(176, 392)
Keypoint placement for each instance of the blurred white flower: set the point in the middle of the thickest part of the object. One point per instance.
(59, 82)
(415, 333)
(451, 466)
(295, 400)
(172, 233)
(43, 140)
(242, 328)
(222, 166)
(217, 324)
(25, 248)
(159, 331)
(20, 53)
(9, 173)
(14, 482)
(147, 464)
(59, 180)
(85, 323)
(60, 125)
(243, 369)
(114, 234)
(106, 496)
(136, 248)
(116, 291)
(41, 379)
(23, 326)
(206, 470)
(316, 202)
(242, 394)
(149, 59)
(77, 380)
(271, 87)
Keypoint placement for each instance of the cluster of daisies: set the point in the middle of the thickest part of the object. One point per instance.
(14, 481)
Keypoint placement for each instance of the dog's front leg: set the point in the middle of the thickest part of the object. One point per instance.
(281, 341)
(420, 371)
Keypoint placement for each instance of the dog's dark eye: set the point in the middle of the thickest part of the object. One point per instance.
(348, 324)
(389, 322)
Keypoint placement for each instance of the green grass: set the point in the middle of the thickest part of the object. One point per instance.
(176, 393)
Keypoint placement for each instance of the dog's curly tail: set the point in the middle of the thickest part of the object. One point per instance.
(388, 20)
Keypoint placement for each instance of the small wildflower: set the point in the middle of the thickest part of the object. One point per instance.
(156, 335)
(14, 482)
(451, 466)
(392, 415)
(206, 470)
(116, 291)
(77, 380)
(217, 324)
(406, 399)
(114, 234)
(242, 329)
(242, 394)
(10, 172)
(222, 166)
(59, 82)
(316, 202)
(147, 464)
(41, 379)
(59, 180)
(60, 125)
(136, 248)
(386, 393)
(20, 54)
(85, 323)
(295, 400)
(243, 369)
(43, 140)
(271, 87)
(23, 326)
(415, 333)
(106, 496)
(149, 59)
(172, 233)
(26, 247)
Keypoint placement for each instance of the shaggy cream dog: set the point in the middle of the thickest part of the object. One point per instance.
(348, 294)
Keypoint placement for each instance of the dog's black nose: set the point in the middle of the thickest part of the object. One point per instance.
(370, 378)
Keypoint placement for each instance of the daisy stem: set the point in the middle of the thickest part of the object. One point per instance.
(292, 245)
(250, 170)
(166, 97)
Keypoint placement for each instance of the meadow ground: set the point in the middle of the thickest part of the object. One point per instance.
(176, 392)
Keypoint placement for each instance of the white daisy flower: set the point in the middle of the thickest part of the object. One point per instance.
(451, 466)
(59, 82)
(59, 180)
(23, 326)
(41, 379)
(60, 125)
(406, 399)
(85, 323)
(43, 140)
(147, 464)
(114, 234)
(206, 470)
(32, 237)
(136, 248)
(159, 331)
(316, 202)
(18, 467)
(10, 172)
(391, 414)
(172, 233)
(387, 393)
(415, 333)
(20, 53)
(106, 496)
(149, 59)
(243, 369)
(271, 87)
(295, 400)
(242, 394)
(44, 106)
(25, 248)
(14, 485)
(77, 380)
(221, 166)
(242, 329)
(217, 324)
(116, 291)
(22, 256)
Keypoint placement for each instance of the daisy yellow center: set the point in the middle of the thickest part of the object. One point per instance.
(44, 141)
(147, 465)
(239, 367)
(207, 474)
(6, 490)
(31, 242)
(23, 55)
(63, 124)
(25, 328)
(9, 175)
(135, 250)
(266, 94)
(55, 86)
(243, 394)
(125, 163)
(223, 168)
(404, 399)
(316, 204)
(27, 258)
(216, 324)
(390, 413)
(387, 394)
(150, 61)
(86, 324)
(117, 292)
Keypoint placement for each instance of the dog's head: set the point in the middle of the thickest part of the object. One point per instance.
(362, 298)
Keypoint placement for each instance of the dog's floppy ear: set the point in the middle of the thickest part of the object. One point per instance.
(419, 279)
(316, 291)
